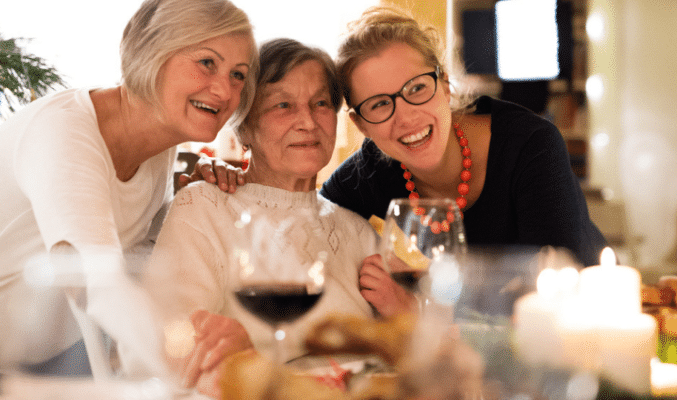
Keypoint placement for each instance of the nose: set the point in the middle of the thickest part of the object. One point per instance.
(305, 118)
(220, 87)
(404, 112)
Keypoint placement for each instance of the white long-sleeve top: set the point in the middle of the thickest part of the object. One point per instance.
(191, 265)
(58, 183)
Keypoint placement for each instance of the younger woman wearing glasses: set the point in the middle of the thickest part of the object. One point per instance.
(507, 168)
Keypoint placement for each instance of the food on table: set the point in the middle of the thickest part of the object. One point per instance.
(352, 335)
(248, 375)
(660, 300)
(453, 371)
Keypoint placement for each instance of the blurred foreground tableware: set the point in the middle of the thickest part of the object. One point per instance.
(25, 387)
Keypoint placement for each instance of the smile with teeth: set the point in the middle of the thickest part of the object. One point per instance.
(202, 106)
(413, 138)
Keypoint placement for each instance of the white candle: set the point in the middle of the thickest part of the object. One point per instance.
(578, 328)
(535, 337)
(612, 290)
(537, 334)
(626, 338)
(626, 347)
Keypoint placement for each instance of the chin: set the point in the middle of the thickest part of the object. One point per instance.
(204, 136)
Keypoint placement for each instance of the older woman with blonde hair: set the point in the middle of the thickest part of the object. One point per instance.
(105, 158)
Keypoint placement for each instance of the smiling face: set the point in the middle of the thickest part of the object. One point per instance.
(416, 135)
(200, 86)
(295, 131)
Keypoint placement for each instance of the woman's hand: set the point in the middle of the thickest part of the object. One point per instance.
(381, 291)
(217, 171)
(216, 338)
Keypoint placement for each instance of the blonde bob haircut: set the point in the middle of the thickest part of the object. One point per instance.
(160, 28)
(379, 27)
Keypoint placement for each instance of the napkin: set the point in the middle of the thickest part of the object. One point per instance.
(412, 257)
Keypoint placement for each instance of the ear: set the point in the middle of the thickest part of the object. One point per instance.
(244, 136)
(359, 122)
(444, 81)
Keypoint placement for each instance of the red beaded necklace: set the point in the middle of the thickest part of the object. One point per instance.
(463, 187)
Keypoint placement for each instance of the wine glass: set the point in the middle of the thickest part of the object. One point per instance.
(276, 275)
(423, 248)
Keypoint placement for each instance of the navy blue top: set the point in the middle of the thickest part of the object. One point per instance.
(531, 197)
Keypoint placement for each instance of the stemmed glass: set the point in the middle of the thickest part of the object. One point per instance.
(423, 248)
(275, 276)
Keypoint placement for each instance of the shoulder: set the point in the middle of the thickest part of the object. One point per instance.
(362, 165)
(365, 182)
(514, 126)
(347, 218)
(507, 116)
(64, 120)
(199, 195)
(69, 105)
(201, 207)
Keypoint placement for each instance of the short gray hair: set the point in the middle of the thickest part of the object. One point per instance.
(160, 28)
(279, 56)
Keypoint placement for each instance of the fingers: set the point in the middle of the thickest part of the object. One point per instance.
(204, 169)
(209, 383)
(191, 371)
(215, 355)
(216, 338)
(223, 176)
(382, 292)
(371, 282)
(372, 276)
(374, 259)
(229, 177)
(198, 318)
(184, 180)
(216, 171)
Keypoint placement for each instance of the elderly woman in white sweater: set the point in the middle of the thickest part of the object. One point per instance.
(291, 132)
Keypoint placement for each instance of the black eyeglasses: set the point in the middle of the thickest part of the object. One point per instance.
(417, 91)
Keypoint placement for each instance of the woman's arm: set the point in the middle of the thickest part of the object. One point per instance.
(72, 205)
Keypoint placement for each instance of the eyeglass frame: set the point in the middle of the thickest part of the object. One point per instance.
(393, 97)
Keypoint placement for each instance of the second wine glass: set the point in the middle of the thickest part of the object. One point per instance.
(272, 279)
(423, 247)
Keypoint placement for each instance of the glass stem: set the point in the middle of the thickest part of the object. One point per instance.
(279, 335)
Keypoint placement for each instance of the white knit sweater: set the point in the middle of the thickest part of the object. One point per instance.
(190, 265)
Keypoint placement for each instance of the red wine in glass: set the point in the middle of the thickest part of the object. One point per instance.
(408, 278)
(277, 304)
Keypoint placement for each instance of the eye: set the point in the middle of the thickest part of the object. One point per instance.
(323, 103)
(417, 88)
(381, 103)
(208, 62)
(240, 76)
(283, 105)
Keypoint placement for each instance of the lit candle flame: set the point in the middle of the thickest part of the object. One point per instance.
(608, 258)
